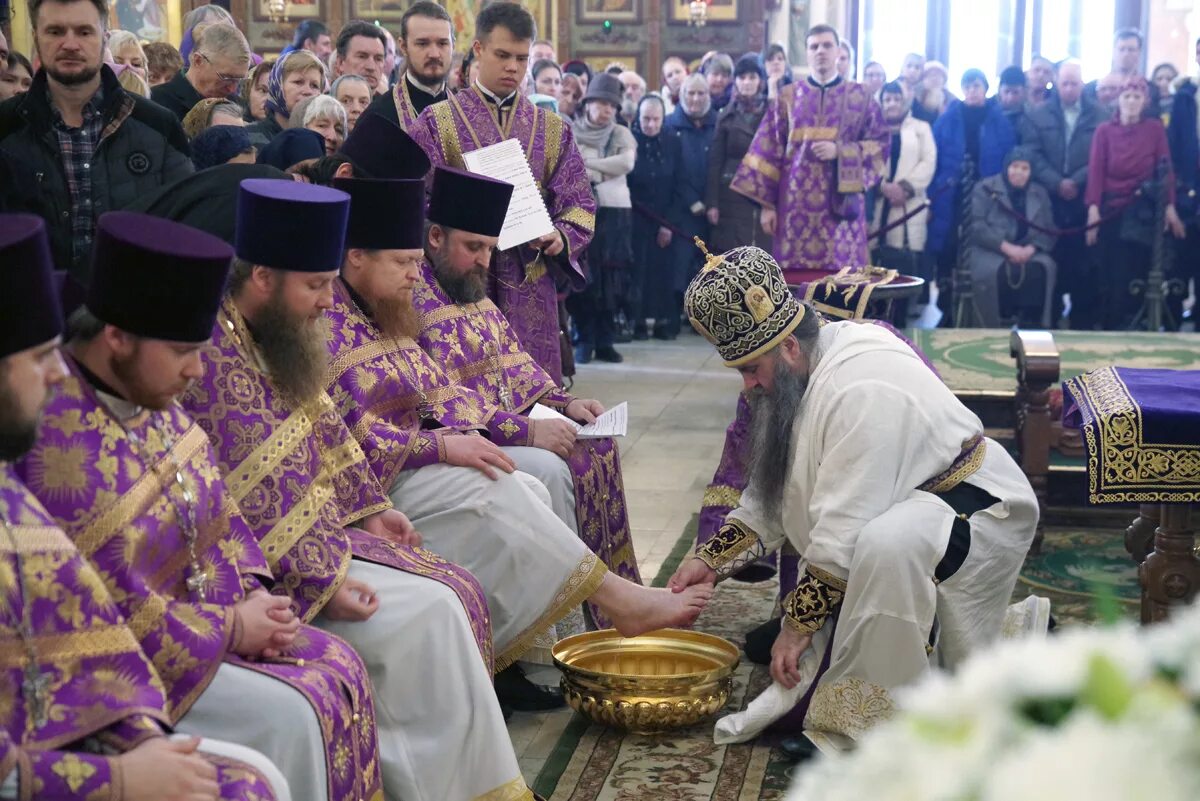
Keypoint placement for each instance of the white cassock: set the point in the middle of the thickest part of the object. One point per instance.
(875, 423)
(534, 568)
(441, 732)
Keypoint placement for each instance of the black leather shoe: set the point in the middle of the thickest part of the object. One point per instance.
(798, 749)
(609, 354)
(518, 692)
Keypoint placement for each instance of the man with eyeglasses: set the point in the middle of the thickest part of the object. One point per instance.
(89, 145)
(216, 68)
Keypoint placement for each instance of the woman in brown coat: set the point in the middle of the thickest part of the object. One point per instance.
(735, 218)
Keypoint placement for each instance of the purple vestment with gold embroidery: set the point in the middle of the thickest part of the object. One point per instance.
(821, 223)
(100, 693)
(477, 349)
(302, 481)
(519, 283)
(117, 488)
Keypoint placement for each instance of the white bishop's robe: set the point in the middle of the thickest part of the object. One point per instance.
(876, 423)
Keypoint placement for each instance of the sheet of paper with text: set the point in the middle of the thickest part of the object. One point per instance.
(527, 217)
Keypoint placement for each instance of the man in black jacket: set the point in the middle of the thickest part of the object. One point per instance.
(218, 63)
(1059, 136)
(91, 146)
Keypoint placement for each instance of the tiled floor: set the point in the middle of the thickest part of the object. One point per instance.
(681, 398)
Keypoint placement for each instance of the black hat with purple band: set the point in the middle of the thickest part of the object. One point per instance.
(29, 309)
(380, 148)
(288, 225)
(156, 278)
(468, 202)
(384, 215)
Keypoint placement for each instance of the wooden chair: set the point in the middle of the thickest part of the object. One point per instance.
(1038, 368)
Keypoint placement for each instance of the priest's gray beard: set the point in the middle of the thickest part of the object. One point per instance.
(17, 436)
(396, 317)
(773, 415)
(468, 287)
(294, 348)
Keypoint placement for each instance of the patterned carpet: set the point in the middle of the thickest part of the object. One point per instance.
(1086, 574)
(978, 360)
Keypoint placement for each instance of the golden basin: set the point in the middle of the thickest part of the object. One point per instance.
(664, 680)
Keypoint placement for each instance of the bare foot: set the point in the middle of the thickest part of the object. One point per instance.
(643, 609)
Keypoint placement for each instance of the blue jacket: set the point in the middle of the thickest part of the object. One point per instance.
(996, 138)
(695, 142)
(657, 178)
(1185, 149)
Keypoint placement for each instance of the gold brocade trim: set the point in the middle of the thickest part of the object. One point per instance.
(825, 577)
(134, 501)
(968, 462)
(579, 216)
(149, 612)
(721, 495)
(871, 148)
(733, 540)
(443, 118)
(268, 455)
(488, 364)
(516, 790)
(72, 645)
(577, 588)
(849, 707)
(811, 133)
(375, 349)
(554, 137)
(401, 402)
(761, 166)
(767, 346)
(807, 607)
(455, 311)
(1121, 466)
(849, 282)
(298, 521)
(28, 539)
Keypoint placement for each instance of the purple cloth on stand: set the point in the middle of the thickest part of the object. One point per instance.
(1141, 429)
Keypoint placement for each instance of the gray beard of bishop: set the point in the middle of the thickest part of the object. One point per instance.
(772, 418)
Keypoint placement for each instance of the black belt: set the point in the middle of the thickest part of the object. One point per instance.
(965, 499)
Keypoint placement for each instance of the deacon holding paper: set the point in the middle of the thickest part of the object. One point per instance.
(472, 340)
(523, 280)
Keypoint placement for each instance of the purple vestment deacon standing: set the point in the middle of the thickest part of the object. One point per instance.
(140, 493)
(522, 284)
(821, 223)
(77, 685)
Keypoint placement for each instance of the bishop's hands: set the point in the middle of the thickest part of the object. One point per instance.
(164, 769)
(472, 450)
(266, 625)
(789, 646)
(692, 572)
(394, 526)
(354, 601)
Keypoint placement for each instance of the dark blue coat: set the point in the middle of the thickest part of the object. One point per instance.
(695, 143)
(996, 138)
(1185, 149)
(656, 181)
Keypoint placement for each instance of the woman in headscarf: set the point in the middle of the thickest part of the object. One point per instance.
(1012, 272)
(734, 218)
(296, 76)
(254, 91)
(1127, 153)
(933, 97)
(609, 151)
(654, 190)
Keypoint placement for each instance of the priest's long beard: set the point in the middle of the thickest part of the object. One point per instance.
(294, 348)
(396, 317)
(467, 287)
(17, 436)
(773, 416)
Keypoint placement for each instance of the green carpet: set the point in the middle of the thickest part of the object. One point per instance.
(978, 360)
(1086, 573)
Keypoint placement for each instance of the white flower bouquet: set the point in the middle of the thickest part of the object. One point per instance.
(1104, 714)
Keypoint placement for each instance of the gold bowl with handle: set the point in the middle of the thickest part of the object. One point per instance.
(667, 679)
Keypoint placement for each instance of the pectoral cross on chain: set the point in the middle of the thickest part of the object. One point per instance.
(36, 689)
(197, 582)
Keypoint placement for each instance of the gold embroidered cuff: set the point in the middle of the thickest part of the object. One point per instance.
(815, 598)
(733, 547)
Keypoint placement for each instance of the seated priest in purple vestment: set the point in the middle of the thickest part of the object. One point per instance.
(85, 716)
(524, 280)
(472, 340)
(347, 560)
(134, 483)
(424, 437)
(820, 147)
